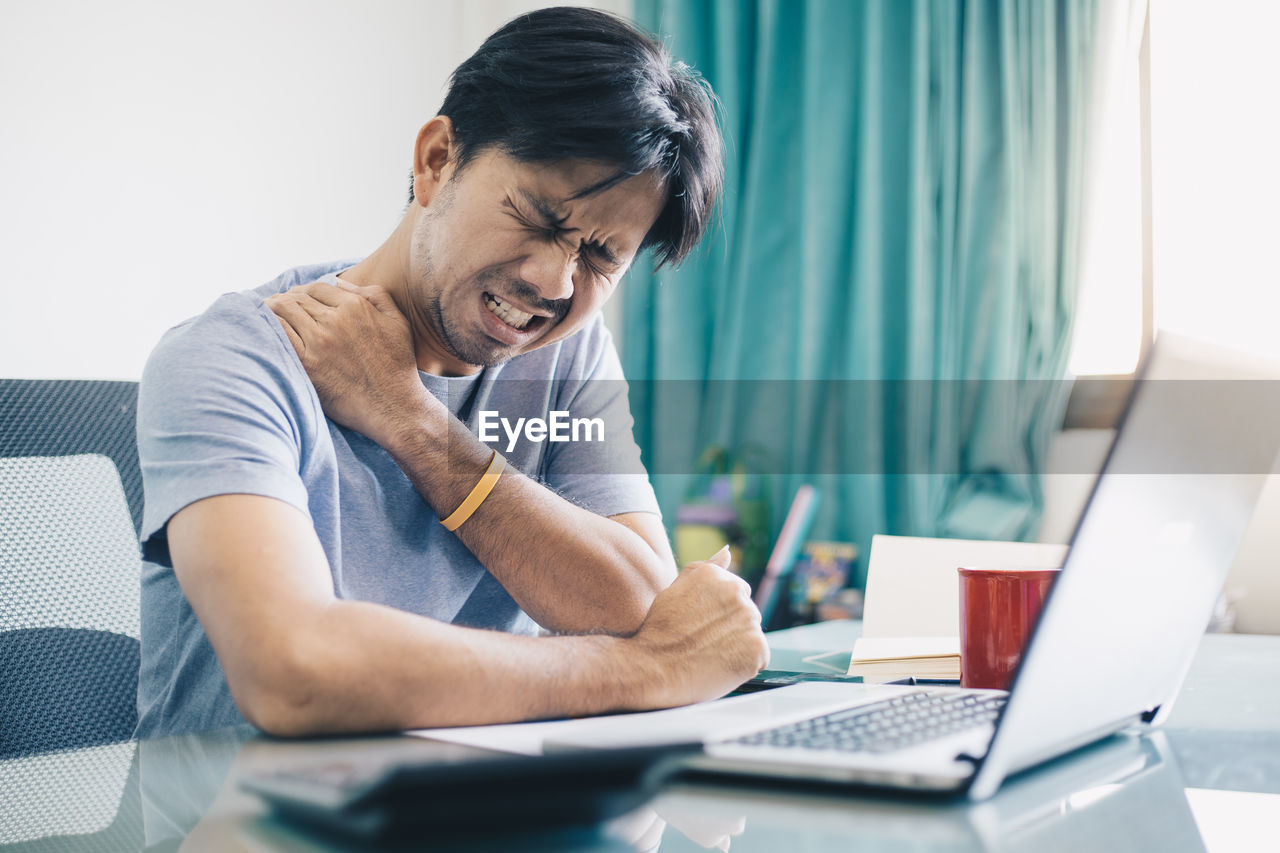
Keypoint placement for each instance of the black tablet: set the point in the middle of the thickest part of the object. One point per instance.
(460, 789)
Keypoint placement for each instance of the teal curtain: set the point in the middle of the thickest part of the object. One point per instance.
(893, 277)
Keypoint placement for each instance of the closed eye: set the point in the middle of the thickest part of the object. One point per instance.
(603, 257)
(529, 225)
(545, 217)
(548, 226)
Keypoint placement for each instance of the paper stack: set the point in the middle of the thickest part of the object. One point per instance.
(911, 625)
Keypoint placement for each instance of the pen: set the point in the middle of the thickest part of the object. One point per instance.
(913, 681)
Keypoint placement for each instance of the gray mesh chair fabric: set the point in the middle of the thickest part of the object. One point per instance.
(70, 506)
(69, 611)
(78, 799)
(70, 417)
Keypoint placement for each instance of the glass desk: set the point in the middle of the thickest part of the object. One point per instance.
(1208, 780)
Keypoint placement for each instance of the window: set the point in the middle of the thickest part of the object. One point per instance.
(1183, 200)
(1215, 130)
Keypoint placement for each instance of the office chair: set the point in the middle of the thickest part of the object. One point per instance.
(70, 509)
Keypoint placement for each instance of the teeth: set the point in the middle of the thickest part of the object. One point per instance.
(506, 312)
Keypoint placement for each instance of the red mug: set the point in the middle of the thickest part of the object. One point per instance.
(998, 609)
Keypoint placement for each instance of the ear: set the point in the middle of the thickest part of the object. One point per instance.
(432, 155)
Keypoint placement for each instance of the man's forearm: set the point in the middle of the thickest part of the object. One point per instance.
(570, 569)
(299, 660)
(409, 672)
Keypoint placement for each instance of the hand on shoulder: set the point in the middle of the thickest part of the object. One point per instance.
(357, 349)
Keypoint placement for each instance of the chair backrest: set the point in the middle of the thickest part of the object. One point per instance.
(70, 417)
(70, 507)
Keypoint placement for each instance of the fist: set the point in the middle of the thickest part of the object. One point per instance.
(702, 636)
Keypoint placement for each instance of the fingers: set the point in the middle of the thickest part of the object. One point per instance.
(277, 304)
(323, 293)
(286, 306)
(299, 346)
(314, 307)
(345, 293)
(744, 606)
(317, 299)
(721, 558)
(299, 314)
(707, 621)
(376, 296)
(712, 573)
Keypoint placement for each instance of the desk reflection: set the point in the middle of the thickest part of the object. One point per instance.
(191, 799)
(183, 793)
(1123, 794)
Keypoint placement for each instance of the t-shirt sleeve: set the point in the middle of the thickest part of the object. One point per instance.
(223, 408)
(599, 467)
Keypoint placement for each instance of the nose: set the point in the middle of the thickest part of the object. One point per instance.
(550, 270)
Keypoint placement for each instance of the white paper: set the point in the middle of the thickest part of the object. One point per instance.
(522, 738)
(704, 722)
(913, 588)
(673, 725)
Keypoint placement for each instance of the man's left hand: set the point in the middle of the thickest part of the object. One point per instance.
(357, 348)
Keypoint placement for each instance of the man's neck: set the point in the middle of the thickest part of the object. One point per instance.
(387, 267)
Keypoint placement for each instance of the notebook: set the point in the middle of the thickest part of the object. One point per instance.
(881, 659)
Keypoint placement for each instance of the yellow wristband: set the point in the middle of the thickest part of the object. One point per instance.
(478, 494)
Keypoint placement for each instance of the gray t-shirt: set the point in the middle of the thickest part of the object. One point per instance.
(225, 407)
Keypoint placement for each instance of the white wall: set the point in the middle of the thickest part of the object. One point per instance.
(156, 154)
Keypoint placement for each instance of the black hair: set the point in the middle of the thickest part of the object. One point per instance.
(565, 83)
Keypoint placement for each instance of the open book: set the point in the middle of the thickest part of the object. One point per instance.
(891, 658)
(911, 625)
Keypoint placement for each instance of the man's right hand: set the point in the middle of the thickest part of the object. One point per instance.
(357, 350)
(701, 637)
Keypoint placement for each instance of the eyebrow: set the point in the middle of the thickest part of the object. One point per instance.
(544, 208)
(547, 211)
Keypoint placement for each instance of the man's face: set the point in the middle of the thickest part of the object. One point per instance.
(506, 258)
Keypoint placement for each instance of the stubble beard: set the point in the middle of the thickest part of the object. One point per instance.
(482, 352)
(475, 348)
(429, 309)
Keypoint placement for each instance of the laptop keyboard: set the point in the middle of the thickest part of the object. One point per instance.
(897, 723)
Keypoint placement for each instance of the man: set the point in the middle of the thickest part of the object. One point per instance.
(328, 545)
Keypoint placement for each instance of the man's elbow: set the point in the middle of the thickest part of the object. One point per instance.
(625, 618)
(280, 696)
(278, 715)
(630, 607)
(645, 578)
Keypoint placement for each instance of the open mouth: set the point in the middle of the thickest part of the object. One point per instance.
(519, 320)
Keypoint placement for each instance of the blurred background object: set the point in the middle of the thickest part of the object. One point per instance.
(819, 584)
(727, 504)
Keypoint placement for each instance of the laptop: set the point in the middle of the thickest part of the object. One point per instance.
(1114, 640)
